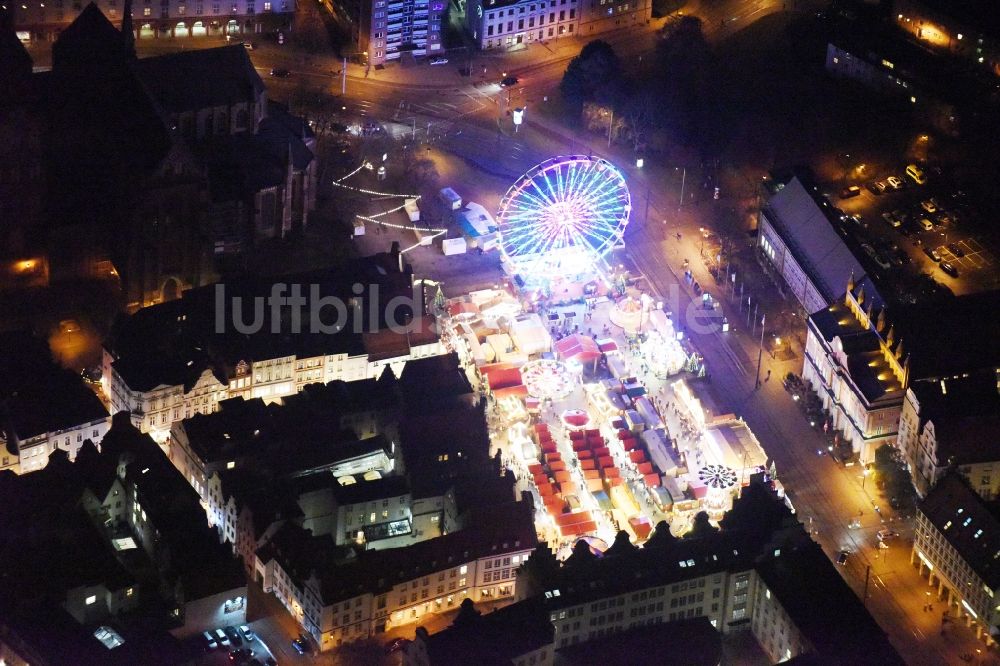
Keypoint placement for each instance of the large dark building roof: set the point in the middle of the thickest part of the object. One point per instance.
(824, 609)
(970, 525)
(950, 336)
(200, 79)
(965, 411)
(493, 639)
(38, 396)
(173, 343)
(688, 642)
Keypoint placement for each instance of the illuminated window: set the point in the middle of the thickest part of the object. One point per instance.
(90, 600)
(463, 570)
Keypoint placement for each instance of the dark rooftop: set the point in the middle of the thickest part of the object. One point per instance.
(970, 525)
(965, 412)
(38, 396)
(367, 491)
(172, 343)
(492, 639)
(688, 642)
(201, 78)
(798, 577)
(508, 527)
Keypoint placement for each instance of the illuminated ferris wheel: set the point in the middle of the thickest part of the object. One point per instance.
(563, 215)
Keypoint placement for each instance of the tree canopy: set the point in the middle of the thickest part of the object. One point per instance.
(594, 75)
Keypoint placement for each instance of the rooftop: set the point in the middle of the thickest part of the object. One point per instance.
(38, 396)
(862, 350)
(801, 575)
(173, 343)
(201, 78)
(968, 523)
(508, 528)
(494, 638)
(819, 249)
(688, 642)
(965, 412)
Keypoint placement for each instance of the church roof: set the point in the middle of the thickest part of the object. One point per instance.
(91, 38)
(199, 79)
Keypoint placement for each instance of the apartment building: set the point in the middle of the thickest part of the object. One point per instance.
(390, 29)
(43, 22)
(862, 357)
(957, 544)
(952, 422)
(597, 16)
(505, 24)
(43, 407)
(381, 589)
(168, 362)
(744, 578)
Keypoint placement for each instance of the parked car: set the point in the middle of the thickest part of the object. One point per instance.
(240, 655)
(849, 192)
(890, 220)
(234, 636)
(439, 61)
(944, 219)
(247, 633)
(932, 253)
(948, 268)
(248, 46)
(842, 557)
(894, 182)
(209, 640)
(956, 250)
(877, 187)
(876, 257)
(280, 72)
(925, 224)
(917, 174)
(298, 647)
(221, 637)
(930, 205)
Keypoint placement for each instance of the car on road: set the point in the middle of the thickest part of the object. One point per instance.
(932, 253)
(508, 81)
(949, 268)
(917, 174)
(925, 224)
(247, 633)
(297, 646)
(439, 61)
(280, 72)
(887, 535)
(842, 557)
(956, 250)
(849, 192)
(930, 205)
(877, 187)
(894, 183)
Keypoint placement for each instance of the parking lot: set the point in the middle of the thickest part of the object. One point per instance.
(904, 229)
(220, 654)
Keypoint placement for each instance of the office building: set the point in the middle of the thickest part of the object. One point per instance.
(956, 543)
